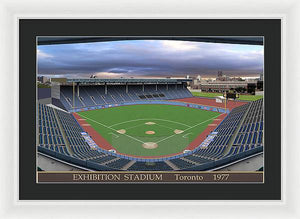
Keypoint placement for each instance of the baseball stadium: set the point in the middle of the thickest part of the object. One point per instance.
(154, 124)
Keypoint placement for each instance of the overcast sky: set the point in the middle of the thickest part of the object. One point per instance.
(148, 58)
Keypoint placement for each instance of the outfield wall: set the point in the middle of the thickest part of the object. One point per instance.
(192, 105)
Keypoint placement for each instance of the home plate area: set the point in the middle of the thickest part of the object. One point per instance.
(150, 145)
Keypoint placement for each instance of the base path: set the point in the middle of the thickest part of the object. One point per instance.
(211, 102)
(98, 139)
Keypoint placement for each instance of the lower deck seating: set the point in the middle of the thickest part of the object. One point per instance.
(50, 136)
(118, 164)
(180, 163)
(225, 131)
(143, 166)
(250, 134)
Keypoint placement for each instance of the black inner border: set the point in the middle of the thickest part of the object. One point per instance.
(30, 28)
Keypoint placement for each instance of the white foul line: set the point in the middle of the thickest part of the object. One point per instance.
(186, 135)
(187, 129)
(112, 129)
(116, 136)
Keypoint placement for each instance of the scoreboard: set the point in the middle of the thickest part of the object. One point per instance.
(231, 95)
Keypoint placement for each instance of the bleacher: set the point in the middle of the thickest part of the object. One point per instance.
(225, 131)
(251, 131)
(50, 136)
(94, 95)
(196, 159)
(77, 143)
(118, 163)
(180, 163)
(143, 166)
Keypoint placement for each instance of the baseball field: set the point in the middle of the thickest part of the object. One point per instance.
(149, 130)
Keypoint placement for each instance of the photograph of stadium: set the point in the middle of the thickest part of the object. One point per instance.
(150, 104)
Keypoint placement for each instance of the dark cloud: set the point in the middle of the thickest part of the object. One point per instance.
(149, 58)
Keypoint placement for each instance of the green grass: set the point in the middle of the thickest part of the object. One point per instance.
(250, 97)
(43, 86)
(205, 94)
(167, 118)
(242, 97)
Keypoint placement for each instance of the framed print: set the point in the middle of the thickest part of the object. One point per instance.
(139, 108)
(133, 123)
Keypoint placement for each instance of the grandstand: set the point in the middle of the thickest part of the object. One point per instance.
(238, 135)
(251, 131)
(60, 136)
(84, 93)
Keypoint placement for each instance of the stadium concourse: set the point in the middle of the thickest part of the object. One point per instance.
(236, 135)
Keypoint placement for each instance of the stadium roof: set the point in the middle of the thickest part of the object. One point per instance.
(213, 39)
(128, 80)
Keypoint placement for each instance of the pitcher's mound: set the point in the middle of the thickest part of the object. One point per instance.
(177, 131)
(150, 132)
(122, 131)
(150, 123)
(150, 145)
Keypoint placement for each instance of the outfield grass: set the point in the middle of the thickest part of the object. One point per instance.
(167, 118)
(250, 97)
(242, 97)
(205, 94)
(43, 86)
